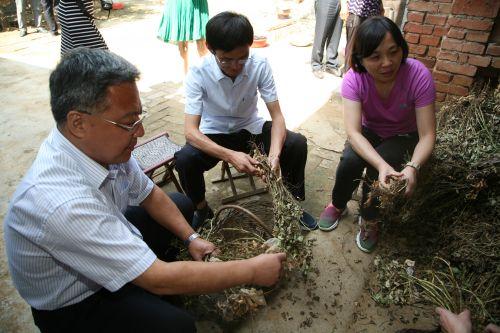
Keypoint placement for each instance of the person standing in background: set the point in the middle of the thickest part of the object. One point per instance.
(355, 12)
(77, 25)
(48, 13)
(327, 32)
(35, 7)
(184, 21)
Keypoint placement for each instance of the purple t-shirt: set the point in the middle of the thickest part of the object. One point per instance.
(414, 88)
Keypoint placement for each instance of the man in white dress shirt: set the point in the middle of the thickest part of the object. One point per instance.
(221, 116)
(87, 232)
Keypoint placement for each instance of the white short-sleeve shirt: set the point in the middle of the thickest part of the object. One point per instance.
(226, 106)
(65, 233)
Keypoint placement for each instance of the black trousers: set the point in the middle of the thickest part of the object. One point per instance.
(395, 151)
(191, 162)
(48, 13)
(327, 32)
(130, 309)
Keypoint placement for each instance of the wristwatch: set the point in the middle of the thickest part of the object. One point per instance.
(191, 238)
(414, 165)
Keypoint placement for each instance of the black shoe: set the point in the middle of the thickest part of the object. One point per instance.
(308, 222)
(334, 71)
(23, 32)
(318, 73)
(54, 33)
(200, 216)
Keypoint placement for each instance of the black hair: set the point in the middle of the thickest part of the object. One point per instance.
(227, 31)
(82, 78)
(368, 37)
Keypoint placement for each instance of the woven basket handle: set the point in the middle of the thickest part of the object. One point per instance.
(249, 213)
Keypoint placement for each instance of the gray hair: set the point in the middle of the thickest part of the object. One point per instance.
(82, 78)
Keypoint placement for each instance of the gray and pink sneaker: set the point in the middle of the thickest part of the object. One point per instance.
(329, 219)
(367, 237)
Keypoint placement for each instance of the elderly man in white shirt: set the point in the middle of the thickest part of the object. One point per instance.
(221, 116)
(79, 254)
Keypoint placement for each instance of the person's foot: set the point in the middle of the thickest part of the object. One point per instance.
(337, 71)
(308, 222)
(329, 219)
(41, 30)
(54, 33)
(318, 73)
(200, 216)
(367, 237)
(23, 32)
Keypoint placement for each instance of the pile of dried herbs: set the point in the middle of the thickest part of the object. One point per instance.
(454, 213)
(253, 228)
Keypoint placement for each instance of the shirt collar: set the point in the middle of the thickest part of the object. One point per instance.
(93, 171)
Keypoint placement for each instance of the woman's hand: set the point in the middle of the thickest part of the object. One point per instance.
(385, 173)
(410, 175)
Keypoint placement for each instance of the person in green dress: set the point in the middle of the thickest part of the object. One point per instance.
(184, 21)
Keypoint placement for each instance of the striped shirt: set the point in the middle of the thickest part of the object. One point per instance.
(65, 233)
(365, 8)
(226, 106)
(78, 30)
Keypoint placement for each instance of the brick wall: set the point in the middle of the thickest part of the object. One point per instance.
(453, 38)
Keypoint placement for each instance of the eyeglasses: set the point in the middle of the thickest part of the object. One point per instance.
(130, 128)
(229, 62)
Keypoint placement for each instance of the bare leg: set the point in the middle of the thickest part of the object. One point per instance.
(183, 51)
(202, 47)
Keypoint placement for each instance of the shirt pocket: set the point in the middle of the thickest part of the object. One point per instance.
(244, 107)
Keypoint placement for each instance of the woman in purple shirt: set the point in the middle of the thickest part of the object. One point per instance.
(389, 117)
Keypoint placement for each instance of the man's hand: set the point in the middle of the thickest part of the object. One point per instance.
(410, 175)
(244, 163)
(385, 173)
(199, 248)
(453, 323)
(274, 163)
(267, 268)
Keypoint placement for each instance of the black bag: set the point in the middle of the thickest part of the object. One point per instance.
(107, 5)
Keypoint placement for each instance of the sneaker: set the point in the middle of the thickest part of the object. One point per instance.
(329, 219)
(318, 73)
(23, 32)
(200, 216)
(308, 222)
(367, 237)
(41, 30)
(334, 71)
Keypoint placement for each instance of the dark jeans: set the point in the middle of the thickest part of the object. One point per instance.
(130, 309)
(48, 13)
(395, 151)
(327, 32)
(191, 162)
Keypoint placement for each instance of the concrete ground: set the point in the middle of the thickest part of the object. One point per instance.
(334, 300)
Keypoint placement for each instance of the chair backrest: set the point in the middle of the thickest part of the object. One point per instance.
(155, 152)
